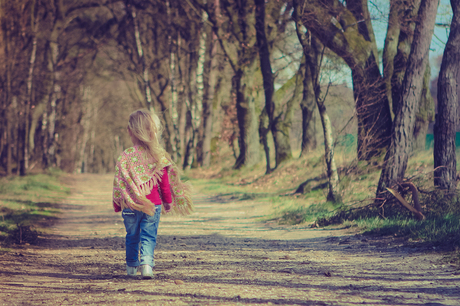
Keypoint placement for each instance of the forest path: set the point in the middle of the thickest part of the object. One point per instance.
(220, 255)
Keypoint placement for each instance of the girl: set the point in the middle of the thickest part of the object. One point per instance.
(145, 178)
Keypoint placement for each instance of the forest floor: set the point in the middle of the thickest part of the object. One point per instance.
(222, 254)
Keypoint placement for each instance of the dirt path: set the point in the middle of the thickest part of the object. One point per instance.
(220, 255)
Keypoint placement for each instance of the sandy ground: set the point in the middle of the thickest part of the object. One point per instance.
(220, 255)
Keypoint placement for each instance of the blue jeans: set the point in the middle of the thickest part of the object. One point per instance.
(142, 228)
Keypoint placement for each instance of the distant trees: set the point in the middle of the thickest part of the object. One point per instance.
(46, 47)
(203, 65)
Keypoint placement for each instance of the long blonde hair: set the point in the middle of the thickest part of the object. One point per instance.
(147, 128)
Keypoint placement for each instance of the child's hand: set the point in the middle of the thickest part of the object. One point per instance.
(167, 206)
(116, 208)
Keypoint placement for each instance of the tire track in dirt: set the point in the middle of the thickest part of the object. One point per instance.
(220, 255)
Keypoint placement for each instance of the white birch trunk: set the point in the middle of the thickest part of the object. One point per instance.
(29, 97)
(334, 188)
(197, 107)
(140, 53)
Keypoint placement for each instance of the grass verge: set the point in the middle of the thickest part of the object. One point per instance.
(27, 205)
(297, 192)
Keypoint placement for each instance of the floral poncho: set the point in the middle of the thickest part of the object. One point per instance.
(136, 176)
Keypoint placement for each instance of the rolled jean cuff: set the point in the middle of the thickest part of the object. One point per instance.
(147, 260)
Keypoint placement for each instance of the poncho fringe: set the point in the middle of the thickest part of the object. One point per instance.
(136, 176)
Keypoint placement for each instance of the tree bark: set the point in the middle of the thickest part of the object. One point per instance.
(426, 112)
(332, 174)
(242, 60)
(268, 81)
(308, 102)
(29, 98)
(142, 59)
(348, 33)
(445, 162)
(287, 96)
(395, 163)
(248, 140)
(205, 128)
(7, 95)
(390, 48)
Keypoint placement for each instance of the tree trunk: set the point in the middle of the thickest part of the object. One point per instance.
(55, 96)
(425, 114)
(53, 58)
(191, 103)
(7, 95)
(349, 34)
(403, 128)
(28, 103)
(141, 56)
(205, 128)
(248, 140)
(332, 174)
(243, 64)
(176, 89)
(85, 123)
(307, 106)
(263, 132)
(396, 54)
(268, 82)
(9, 142)
(390, 48)
(445, 162)
(284, 108)
(407, 24)
(308, 102)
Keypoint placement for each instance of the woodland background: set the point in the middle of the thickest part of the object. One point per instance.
(253, 81)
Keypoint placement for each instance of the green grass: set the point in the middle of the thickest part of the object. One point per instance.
(434, 230)
(358, 183)
(43, 183)
(25, 205)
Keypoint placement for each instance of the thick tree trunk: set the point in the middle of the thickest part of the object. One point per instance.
(390, 48)
(248, 140)
(349, 34)
(445, 162)
(407, 24)
(268, 82)
(396, 54)
(403, 128)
